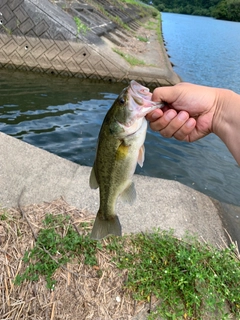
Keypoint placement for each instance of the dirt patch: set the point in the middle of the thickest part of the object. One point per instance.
(150, 51)
(143, 44)
(81, 292)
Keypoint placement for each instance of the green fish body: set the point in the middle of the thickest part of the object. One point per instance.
(120, 148)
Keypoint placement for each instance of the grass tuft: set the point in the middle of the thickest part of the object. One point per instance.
(143, 39)
(133, 61)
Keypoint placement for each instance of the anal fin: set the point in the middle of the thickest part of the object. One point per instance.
(93, 180)
(129, 194)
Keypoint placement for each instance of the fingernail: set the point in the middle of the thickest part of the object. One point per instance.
(170, 115)
(182, 116)
(155, 116)
(191, 123)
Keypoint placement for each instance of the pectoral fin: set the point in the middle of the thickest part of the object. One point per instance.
(129, 194)
(141, 156)
(93, 180)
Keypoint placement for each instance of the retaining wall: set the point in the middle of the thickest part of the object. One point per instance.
(42, 36)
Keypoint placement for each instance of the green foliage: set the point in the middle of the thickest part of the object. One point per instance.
(133, 61)
(81, 27)
(3, 216)
(220, 9)
(187, 279)
(151, 25)
(56, 245)
(143, 39)
(227, 10)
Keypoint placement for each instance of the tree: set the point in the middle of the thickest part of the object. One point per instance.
(219, 9)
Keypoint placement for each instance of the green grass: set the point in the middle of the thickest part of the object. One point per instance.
(151, 25)
(3, 216)
(56, 245)
(133, 61)
(143, 7)
(187, 277)
(143, 39)
(81, 27)
(155, 25)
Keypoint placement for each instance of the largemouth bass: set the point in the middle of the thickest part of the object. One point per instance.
(120, 148)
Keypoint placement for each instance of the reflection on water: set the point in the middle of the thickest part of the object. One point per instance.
(64, 117)
(60, 115)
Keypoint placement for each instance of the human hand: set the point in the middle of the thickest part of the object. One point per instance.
(188, 114)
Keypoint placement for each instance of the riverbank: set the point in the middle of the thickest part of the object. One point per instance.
(32, 181)
(81, 39)
(31, 175)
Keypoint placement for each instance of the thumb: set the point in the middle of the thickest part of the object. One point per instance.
(166, 94)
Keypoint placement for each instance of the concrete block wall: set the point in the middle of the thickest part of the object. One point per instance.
(39, 36)
(42, 36)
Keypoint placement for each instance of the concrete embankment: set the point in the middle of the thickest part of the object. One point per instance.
(79, 38)
(30, 175)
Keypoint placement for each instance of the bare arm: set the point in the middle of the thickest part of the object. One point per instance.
(193, 112)
(226, 121)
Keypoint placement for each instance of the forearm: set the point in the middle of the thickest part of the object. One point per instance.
(226, 121)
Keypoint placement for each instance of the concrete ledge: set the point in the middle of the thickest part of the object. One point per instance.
(31, 175)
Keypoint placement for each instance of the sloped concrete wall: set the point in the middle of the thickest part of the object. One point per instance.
(38, 35)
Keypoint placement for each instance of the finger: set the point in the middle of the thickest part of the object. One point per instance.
(184, 132)
(174, 125)
(163, 121)
(154, 115)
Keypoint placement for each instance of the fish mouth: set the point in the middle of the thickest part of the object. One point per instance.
(140, 90)
(140, 99)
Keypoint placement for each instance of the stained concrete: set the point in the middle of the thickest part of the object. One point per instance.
(43, 36)
(31, 175)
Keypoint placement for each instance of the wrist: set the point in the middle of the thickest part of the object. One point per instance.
(226, 120)
(221, 110)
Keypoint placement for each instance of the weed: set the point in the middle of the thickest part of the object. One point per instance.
(3, 216)
(143, 6)
(115, 19)
(56, 245)
(9, 31)
(155, 25)
(143, 39)
(81, 27)
(130, 59)
(187, 279)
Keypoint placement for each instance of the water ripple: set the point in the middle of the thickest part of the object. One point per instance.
(64, 117)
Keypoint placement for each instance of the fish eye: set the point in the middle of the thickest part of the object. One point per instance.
(121, 100)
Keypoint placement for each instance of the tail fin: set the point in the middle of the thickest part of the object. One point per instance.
(103, 228)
